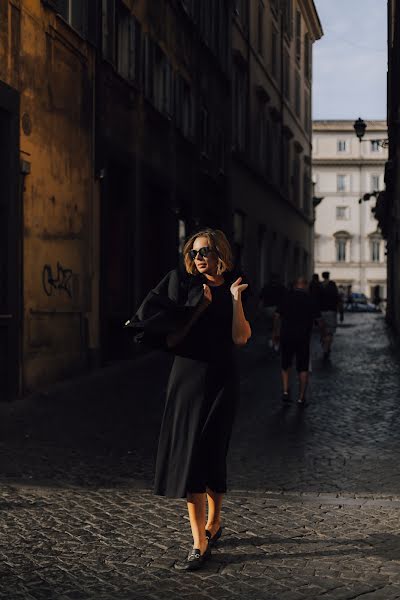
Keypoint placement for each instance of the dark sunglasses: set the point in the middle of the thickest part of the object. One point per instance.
(204, 252)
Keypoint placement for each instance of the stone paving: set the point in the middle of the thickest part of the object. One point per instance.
(313, 511)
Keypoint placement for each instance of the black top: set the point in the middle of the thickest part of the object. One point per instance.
(298, 310)
(329, 296)
(172, 303)
(211, 336)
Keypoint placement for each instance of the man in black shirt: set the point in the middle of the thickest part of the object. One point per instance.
(293, 323)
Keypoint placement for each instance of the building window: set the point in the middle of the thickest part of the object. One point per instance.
(296, 179)
(274, 52)
(148, 67)
(298, 36)
(260, 29)
(286, 164)
(121, 40)
(184, 107)
(122, 27)
(342, 183)
(375, 185)
(188, 111)
(375, 247)
(288, 17)
(108, 30)
(342, 146)
(135, 44)
(307, 111)
(297, 95)
(240, 95)
(221, 151)
(342, 213)
(375, 146)
(241, 9)
(163, 82)
(341, 244)
(75, 13)
(307, 56)
(262, 137)
(306, 192)
(286, 75)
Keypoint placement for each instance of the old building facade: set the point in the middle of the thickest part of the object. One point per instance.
(47, 74)
(127, 148)
(348, 241)
(388, 206)
(271, 162)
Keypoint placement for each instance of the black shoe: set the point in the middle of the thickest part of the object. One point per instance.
(194, 561)
(213, 539)
(301, 401)
(285, 397)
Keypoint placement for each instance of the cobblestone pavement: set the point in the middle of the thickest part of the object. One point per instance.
(313, 509)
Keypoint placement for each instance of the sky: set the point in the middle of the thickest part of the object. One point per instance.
(350, 60)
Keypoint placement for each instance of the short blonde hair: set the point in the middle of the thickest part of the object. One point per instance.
(218, 242)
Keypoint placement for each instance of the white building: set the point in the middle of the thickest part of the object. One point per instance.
(348, 242)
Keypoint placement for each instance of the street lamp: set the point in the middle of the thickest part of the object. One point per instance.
(360, 126)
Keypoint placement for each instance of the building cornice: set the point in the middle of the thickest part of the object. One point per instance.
(310, 13)
(342, 125)
(349, 162)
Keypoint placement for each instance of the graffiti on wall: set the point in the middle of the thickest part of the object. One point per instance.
(62, 281)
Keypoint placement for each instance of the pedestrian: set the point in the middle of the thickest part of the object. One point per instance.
(315, 289)
(293, 323)
(349, 298)
(342, 296)
(329, 307)
(200, 317)
(377, 297)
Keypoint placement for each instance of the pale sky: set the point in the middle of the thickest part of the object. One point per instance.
(350, 61)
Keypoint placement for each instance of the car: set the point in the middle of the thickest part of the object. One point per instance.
(360, 303)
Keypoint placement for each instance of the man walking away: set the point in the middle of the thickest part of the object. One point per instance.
(315, 289)
(293, 322)
(329, 306)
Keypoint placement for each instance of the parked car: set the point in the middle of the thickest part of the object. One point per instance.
(360, 303)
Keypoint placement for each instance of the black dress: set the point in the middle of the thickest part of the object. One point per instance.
(203, 386)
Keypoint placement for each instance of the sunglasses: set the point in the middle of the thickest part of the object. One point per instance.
(203, 252)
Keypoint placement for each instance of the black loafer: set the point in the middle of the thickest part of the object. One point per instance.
(194, 561)
(213, 539)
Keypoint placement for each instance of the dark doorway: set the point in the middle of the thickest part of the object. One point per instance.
(10, 241)
(118, 205)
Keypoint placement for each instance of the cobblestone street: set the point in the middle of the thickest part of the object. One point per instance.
(313, 511)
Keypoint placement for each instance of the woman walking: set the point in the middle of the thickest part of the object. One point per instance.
(200, 317)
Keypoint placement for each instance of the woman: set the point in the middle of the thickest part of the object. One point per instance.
(200, 318)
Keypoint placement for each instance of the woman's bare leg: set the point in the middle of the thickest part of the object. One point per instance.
(197, 515)
(214, 501)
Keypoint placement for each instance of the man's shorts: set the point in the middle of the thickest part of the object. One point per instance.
(330, 318)
(298, 347)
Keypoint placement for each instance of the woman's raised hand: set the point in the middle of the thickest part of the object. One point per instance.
(238, 287)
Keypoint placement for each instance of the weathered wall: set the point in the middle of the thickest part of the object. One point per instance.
(53, 72)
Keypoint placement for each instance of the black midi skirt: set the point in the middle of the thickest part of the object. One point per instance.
(196, 428)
